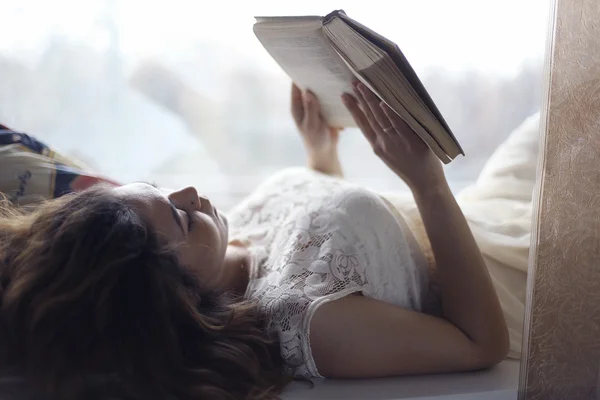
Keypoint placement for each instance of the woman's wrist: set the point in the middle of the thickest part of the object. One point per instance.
(433, 185)
(325, 161)
(319, 154)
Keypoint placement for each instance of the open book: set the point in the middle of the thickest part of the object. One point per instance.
(325, 54)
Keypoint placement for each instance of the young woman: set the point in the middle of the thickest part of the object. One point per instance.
(133, 293)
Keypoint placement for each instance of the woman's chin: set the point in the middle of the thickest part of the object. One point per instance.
(224, 225)
(223, 218)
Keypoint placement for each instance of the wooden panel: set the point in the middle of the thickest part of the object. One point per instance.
(561, 352)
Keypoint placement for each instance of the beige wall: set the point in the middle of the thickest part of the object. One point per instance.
(561, 356)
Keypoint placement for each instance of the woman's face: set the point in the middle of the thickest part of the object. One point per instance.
(187, 221)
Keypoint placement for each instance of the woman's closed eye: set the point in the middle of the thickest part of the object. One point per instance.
(190, 221)
(186, 218)
(183, 218)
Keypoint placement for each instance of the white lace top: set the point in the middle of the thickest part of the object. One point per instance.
(313, 239)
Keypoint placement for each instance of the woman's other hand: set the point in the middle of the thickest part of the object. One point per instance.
(394, 142)
(320, 139)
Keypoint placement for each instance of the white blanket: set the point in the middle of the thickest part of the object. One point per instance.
(498, 207)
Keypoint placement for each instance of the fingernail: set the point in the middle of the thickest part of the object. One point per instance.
(345, 98)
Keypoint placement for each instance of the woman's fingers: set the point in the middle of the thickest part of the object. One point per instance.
(306, 109)
(373, 103)
(365, 109)
(312, 110)
(297, 104)
(402, 127)
(397, 122)
(359, 117)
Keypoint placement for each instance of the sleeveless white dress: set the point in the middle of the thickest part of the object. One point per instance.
(315, 238)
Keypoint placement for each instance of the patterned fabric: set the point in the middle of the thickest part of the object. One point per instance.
(32, 171)
(313, 239)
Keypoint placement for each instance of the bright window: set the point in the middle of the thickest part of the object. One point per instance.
(181, 93)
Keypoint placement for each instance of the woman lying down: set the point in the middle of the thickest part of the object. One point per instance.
(127, 292)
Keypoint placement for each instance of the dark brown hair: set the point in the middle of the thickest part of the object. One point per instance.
(92, 305)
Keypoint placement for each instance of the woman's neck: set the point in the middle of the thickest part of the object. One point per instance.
(236, 268)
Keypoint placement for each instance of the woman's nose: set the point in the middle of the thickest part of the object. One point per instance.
(186, 197)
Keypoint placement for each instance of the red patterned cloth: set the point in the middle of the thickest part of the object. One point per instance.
(32, 171)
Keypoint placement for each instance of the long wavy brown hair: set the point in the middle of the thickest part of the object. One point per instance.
(93, 305)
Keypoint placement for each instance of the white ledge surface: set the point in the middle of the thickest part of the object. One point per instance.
(498, 383)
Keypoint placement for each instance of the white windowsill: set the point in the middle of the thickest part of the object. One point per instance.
(498, 383)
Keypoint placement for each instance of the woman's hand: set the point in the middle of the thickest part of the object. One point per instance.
(320, 139)
(403, 151)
